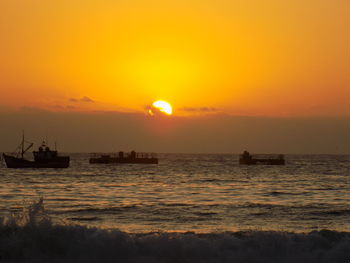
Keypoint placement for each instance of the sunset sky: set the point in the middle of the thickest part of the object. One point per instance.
(268, 59)
(254, 57)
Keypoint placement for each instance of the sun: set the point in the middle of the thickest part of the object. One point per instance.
(162, 106)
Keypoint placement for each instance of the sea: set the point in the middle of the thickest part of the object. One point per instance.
(188, 208)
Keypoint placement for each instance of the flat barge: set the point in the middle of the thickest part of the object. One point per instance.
(121, 157)
(247, 159)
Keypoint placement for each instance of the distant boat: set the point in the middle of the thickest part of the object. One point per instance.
(247, 159)
(43, 158)
(133, 158)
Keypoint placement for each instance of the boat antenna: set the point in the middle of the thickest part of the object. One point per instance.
(22, 144)
(46, 138)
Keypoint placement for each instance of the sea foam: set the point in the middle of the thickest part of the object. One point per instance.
(32, 236)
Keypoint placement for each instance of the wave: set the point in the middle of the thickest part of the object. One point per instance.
(33, 236)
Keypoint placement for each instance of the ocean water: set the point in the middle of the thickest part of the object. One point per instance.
(189, 208)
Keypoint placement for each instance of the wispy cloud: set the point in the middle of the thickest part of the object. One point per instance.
(70, 107)
(200, 109)
(153, 111)
(86, 99)
(82, 99)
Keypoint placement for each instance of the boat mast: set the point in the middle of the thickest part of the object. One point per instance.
(22, 151)
(46, 139)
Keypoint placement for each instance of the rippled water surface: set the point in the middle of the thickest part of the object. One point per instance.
(199, 193)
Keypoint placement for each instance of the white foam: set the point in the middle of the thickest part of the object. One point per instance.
(33, 237)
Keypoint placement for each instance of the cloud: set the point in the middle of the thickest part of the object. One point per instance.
(27, 109)
(153, 111)
(82, 99)
(63, 107)
(199, 109)
(86, 99)
(57, 106)
(208, 134)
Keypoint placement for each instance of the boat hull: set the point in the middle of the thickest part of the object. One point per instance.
(124, 160)
(57, 162)
(262, 161)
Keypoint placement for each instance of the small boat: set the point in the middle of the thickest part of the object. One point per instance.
(132, 157)
(248, 159)
(43, 158)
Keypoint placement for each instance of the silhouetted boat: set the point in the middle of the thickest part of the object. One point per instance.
(133, 157)
(43, 158)
(248, 159)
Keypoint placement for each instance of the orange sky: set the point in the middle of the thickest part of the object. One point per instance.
(239, 57)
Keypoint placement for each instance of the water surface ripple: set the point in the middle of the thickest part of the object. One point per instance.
(200, 193)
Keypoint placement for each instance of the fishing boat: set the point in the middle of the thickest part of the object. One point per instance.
(43, 157)
(248, 159)
(121, 157)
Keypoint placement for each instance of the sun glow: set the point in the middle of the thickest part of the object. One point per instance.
(162, 106)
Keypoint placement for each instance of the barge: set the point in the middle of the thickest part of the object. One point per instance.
(247, 159)
(121, 157)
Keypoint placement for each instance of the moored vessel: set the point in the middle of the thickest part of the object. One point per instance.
(44, 157)
(248, 159)
(121, 157)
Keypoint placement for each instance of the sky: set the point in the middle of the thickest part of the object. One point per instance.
(216, 133)
(251, 63)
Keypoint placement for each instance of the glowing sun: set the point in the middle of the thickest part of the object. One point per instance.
(162, 106)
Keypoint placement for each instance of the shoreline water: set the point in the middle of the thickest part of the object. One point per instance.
(49, 243)
(32, 237)
(200, 193)
(189, 208)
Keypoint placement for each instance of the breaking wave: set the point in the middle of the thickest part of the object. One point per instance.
(32, 236)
